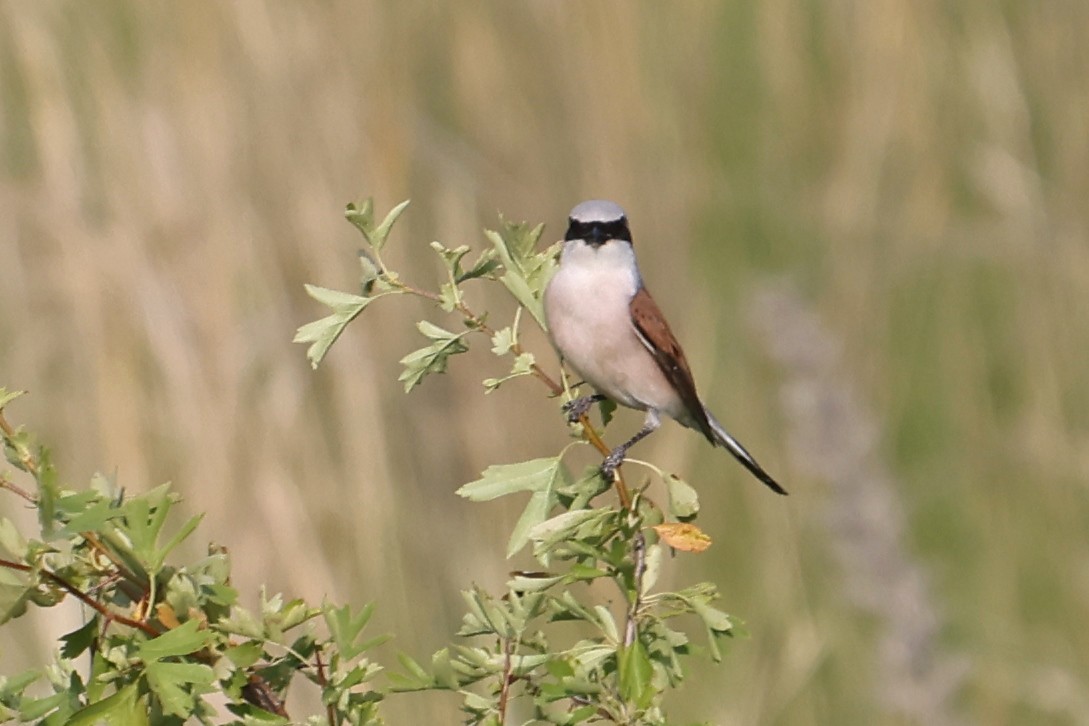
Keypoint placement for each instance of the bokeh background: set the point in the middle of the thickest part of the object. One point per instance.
(869, 222)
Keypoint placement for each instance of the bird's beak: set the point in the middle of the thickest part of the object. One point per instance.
(597, 236)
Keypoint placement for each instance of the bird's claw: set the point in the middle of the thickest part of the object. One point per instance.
(611, 464)
(577, 408)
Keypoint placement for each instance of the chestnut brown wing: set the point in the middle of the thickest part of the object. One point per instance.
(662, 344)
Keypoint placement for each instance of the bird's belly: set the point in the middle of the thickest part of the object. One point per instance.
(592, 329)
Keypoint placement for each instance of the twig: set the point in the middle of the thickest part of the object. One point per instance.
(6, 483)
(9, 433)
(5, 427)
(258, 692)
(504, 690)
(98, 546)
(639, 547)
(478, 323)
(83, 597)
(330, 712)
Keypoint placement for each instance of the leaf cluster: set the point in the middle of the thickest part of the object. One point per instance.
(511, 259)
(585, 636)
(581, 636)
(158, 638)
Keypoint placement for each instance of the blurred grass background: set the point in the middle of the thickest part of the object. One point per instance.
(917, 172)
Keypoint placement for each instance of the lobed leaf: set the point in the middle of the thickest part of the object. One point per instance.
(525, 272)
(7, 396)
(183, 640)
(503, 479)
(120, 709)
(433, 358)
(321, 334)
(178, 685)
(10, 539)
(16, 592)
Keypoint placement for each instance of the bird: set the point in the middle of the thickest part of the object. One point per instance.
(608, 329)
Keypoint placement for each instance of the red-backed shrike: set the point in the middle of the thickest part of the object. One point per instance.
(608, 328)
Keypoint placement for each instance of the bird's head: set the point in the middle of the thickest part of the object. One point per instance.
(596, 222)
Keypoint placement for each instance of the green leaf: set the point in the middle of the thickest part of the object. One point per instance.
(607, 407)
(449, 296)
(321, 334)
(178, 684)
(16, 591)
(417, 679)
(451, 257)
(120, 709)
(485, 615)
(368, 273)
(96, 512)
(604, 618)
(11, 540)
(338, 300)
(522, 366)
(362, 217)
(37, 708)
(242, 622)
(571, 528)
(246, 654)
(653, 567)
(144, 519)
(432, 359)
(12, 686)
(503, 339)
(484, 266)
(443, 670)
(586, 487)
(481, 706)
(635, 675)
(523, 583)
(525, 272)
(564, 525)
(381, 232)
(79, 639)
(7, 396)
(715, 619)
(542, 477)
(684, 502)
(185, 639)
(279, 617)
(502, 479)
(48, 492)
(346, 629)
(536, 511)
(178, 538)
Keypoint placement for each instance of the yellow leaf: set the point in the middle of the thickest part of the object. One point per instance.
(683, 536)
(166, 615)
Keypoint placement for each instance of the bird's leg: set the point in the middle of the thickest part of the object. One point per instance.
(616, 456)
(577, 408)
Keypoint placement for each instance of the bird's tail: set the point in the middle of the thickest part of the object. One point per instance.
(723, 439)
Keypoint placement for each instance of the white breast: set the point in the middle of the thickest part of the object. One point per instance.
(587, 309)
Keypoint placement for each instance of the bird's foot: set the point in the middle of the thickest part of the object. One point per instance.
(612, 463)
(577, 408)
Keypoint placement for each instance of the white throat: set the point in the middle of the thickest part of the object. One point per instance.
(608, 269)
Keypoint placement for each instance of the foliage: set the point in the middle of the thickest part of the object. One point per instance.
(554, 639)
(158, 637)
